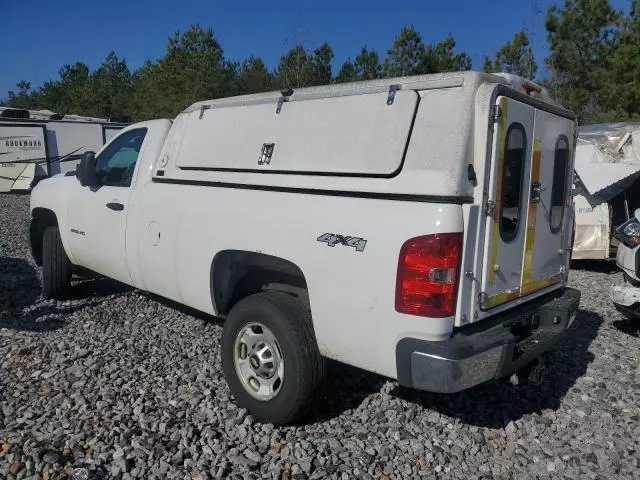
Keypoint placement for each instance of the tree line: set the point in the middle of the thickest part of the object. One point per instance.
(593, 68)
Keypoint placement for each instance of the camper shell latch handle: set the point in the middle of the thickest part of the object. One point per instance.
(536, 191)
(392, 94)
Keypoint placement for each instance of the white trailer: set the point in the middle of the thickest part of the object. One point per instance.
(607, 186)
(35, 145)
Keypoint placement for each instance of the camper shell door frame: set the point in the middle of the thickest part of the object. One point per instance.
(478, 267)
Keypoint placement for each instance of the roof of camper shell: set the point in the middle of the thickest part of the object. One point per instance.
(417, 82)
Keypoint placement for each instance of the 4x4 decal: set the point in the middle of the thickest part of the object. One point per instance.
(333, 239)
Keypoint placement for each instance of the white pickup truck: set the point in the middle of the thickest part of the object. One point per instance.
(414, 227)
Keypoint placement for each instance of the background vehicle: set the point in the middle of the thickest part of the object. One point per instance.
(415, 227)
(37, 144)
(626, 296)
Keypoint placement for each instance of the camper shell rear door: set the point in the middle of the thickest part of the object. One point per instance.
(528, 222)
(550, 217)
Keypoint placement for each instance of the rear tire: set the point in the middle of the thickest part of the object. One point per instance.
(277, 327)
(56, 267)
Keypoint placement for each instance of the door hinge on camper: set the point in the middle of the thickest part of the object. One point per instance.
(286, 93)
(202, 109)
(483, 300)
(490, 208)
(496, 113)
(392, 93)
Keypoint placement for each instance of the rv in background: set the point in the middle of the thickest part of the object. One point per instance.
(606, 187)
(39, 144)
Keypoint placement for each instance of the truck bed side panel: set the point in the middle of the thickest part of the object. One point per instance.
(352, 293)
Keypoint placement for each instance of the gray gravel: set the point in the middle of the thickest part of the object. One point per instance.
(124, 384)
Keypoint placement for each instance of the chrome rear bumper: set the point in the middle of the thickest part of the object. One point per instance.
(491, 349)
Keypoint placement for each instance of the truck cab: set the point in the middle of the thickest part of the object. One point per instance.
(416, 227)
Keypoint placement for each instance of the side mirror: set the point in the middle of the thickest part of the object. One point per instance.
(86, 171)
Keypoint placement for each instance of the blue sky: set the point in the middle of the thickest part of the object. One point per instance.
(41, 36)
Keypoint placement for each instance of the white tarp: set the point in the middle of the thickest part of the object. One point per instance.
(608, 157)
(592, 227)
(607, 163)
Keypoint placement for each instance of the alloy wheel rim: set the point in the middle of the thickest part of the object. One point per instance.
(258, 361)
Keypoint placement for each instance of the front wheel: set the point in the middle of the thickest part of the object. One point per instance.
(56, 267)
(270, 357)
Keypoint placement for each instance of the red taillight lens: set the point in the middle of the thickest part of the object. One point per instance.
(428, 271)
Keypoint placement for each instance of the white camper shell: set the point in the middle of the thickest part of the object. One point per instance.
(415, 227)
(37, 147)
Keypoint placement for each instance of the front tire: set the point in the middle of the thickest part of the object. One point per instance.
(56, 267)
(270, 357)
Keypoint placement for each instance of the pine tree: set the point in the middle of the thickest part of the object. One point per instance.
(516, 57)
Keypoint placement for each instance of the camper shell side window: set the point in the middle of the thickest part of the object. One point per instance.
(512, 181)
(559, 186)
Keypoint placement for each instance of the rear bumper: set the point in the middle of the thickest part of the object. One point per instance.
(493, 348)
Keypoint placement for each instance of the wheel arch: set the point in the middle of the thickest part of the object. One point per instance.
(236, 274)
(41, 218)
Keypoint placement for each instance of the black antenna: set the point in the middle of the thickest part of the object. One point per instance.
(536, 11)
(298, 38)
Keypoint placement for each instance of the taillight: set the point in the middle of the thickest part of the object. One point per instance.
(428, 271)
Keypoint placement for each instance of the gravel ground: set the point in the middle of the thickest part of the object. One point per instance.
(124, 384)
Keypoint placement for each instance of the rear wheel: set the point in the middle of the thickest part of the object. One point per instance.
(56, 267)
(270, 357)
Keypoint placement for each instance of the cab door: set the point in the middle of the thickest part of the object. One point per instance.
(97, 217)
(549, 225)
(508, 195)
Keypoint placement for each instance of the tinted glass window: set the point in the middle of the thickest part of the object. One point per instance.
(559, 186)
(512, 179)
(117, 162)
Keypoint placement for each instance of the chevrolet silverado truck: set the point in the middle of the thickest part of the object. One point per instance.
(416, 227)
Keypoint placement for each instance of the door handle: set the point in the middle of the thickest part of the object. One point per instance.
(115, 206)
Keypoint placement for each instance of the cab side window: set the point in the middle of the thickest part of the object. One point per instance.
(512, 180)
(117, 162)
(559, 186)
